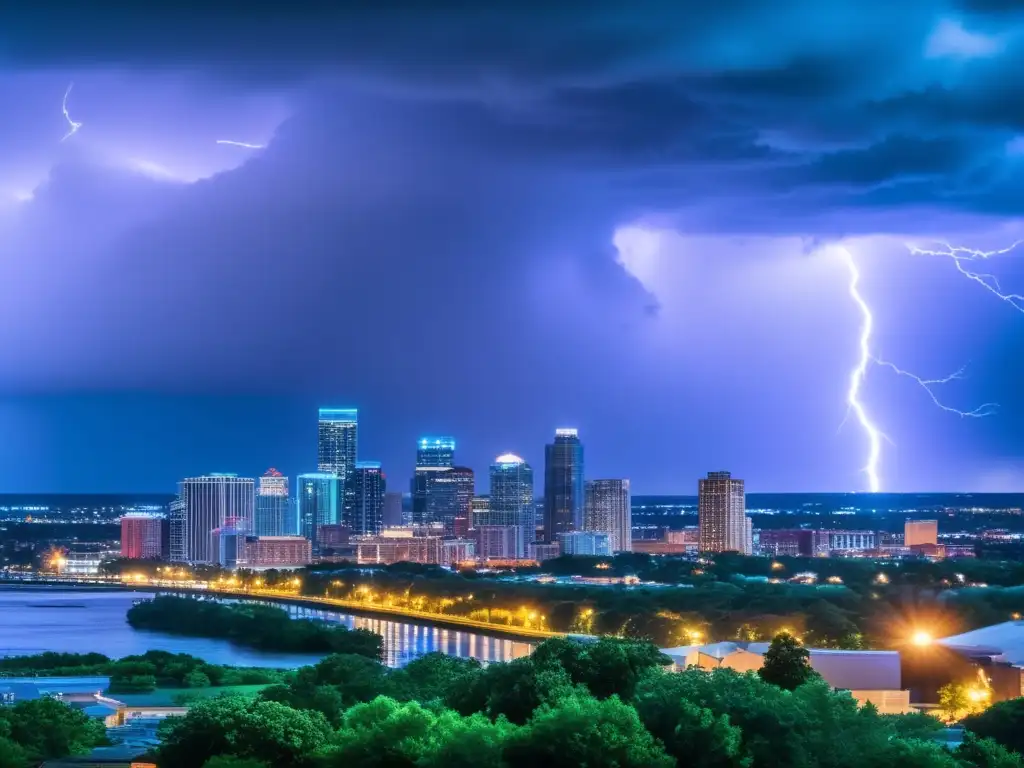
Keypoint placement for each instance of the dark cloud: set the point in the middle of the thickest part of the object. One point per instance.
(895, 158)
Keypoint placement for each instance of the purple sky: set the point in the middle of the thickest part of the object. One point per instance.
(627, 218)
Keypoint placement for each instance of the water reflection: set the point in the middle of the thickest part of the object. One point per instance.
(404, 641)
(70, 621)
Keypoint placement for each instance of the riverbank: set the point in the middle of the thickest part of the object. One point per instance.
(102, 628)
(355, 607)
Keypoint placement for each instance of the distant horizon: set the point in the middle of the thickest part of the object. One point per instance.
(538, 497)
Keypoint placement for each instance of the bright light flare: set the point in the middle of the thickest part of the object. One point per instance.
(921, 638)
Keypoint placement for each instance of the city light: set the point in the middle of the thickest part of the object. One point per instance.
(921, 638)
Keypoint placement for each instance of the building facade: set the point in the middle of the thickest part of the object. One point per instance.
(722, 518)
(142, 536)
(510, 502)
(850, 541)
(273, 507)
(500, 542)
(393, 515)
(433, 455)
(449, 495)
(585, 543)
(920, 532)
(278, 551)
(793, 542)
(367, 518)
(318, 496)
(608, 510)
(400, 545)
(337, 449)
(564, 500)
(205, 504)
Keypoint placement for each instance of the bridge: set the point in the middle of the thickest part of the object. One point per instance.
(309, 606)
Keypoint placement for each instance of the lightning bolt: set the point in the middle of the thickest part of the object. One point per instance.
(963, 256)
(244, 144)
(73, 126)
(859, 374)
(864, 362)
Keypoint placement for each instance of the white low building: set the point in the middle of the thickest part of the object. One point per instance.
(869, 676)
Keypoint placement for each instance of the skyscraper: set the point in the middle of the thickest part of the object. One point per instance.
(337, 449)
(511, 499)
(722, 518)
(608, 511)
(318, 497)
(563, 484)
(204, 504)
(369, 487)
(433, 455)
(449, 494)
(272, 506)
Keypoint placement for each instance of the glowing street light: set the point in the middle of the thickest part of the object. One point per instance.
(921, 638)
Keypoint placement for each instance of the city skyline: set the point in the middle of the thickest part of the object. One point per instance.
(706, 237)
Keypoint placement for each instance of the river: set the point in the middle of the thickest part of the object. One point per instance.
(69, 621)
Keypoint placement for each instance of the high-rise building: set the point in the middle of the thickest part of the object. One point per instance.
(203, 505)
(511, 499)
(393, 516)
(433, 455)
(722, 518)
(337, 449)
(142, 536)
(920, 532)
(318, 497)
(449, 495)
(369, 486)
(608, 510)
(563, 484)
(273, 516)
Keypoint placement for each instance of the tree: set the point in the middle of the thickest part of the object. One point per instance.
(196, 679)
(12, 755)
(230, 761)
(581, 730)
(1002, 722)
(956, 703)
(608, 666)
(513, 690)
(787, 663)
(47, 728)
(243, 728)
(431, 676)
(691, 733)
(986, 753)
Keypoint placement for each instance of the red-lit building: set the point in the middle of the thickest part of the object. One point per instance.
(142, 536)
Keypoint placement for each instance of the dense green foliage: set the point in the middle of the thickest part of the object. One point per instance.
(1003, 722)
(787, 663)
(140, 673)
(351, 712)
(853, 603)
(258, 626)
(40, 729)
